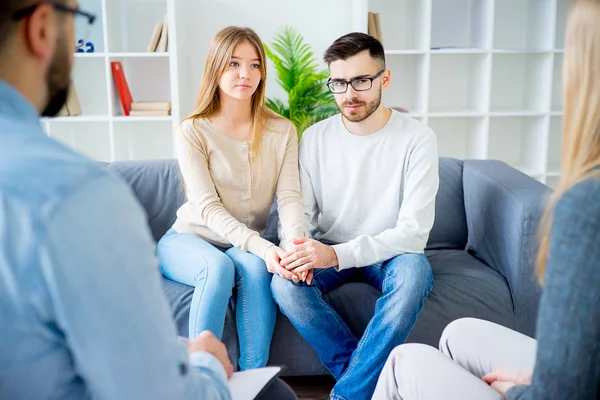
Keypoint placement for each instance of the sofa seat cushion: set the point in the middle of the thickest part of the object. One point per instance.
(463, 287)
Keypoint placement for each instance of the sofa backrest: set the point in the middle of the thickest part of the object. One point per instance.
(450, 225)
(157, 185)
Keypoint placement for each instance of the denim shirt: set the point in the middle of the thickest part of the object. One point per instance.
(82, 312)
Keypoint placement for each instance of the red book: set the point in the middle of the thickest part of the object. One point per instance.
(122, 86)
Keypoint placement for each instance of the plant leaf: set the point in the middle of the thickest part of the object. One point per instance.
(298, 73)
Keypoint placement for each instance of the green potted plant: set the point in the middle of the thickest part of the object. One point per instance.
(309, 101)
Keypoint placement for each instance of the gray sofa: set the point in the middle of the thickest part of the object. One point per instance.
(481, 249)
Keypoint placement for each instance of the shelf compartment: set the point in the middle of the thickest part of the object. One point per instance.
(457, 24)
(523, 24)
(143, 140)
(142, 75)
(457, 83)
(407, 85)
(89, 79)
(131, 23)
(403, 23)
(518, 141)
(520, 82)
(89, 138)
(461, 138)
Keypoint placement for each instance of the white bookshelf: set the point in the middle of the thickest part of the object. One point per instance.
(121, 32)
(484, 74)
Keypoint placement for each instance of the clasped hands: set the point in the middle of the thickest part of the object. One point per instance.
(299, 259)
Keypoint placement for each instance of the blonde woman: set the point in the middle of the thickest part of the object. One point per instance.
(484, 361)
(235, 156)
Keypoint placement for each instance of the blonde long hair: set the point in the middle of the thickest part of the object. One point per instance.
(219, 57)
(581, 119)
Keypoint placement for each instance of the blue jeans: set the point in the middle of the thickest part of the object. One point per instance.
(187, 259)
(405, 282)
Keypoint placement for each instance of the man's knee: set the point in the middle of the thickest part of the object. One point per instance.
(281, 289)
(285, 292)
(412, 269)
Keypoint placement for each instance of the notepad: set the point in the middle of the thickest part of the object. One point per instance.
(247, 385)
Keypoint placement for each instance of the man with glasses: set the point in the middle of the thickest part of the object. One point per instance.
(82, 310)
(369, 180)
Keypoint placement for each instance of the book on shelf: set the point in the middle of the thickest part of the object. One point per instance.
(64, 111)
(122, 87)
(149, 113)
(151, 106)
(155, 37)
(163, 42)
(374, 26)
(72, 106)
(378, 27)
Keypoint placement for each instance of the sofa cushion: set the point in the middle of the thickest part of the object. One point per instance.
(463, 287)
(157, 185)
(450, 226)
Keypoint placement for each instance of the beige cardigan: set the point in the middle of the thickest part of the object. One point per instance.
(227, 198)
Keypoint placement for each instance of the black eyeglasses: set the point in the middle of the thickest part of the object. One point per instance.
(339, 86)
(22, 13)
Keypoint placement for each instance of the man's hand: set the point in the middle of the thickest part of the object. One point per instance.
(503, 379)
(290, 247)
(273, 257)
(307, 254)
(209, 343)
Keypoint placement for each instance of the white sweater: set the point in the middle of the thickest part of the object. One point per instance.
(372, 197)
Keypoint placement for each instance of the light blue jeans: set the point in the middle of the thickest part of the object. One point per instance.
(187, 259)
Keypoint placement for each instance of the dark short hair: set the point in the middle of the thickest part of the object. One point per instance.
(353, 43)
(7, 9)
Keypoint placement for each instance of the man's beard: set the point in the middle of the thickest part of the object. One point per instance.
(364, 113)
(58, 79)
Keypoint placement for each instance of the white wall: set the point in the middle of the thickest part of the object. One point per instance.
(319, 21)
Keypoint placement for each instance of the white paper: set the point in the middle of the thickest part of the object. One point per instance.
(246, 385)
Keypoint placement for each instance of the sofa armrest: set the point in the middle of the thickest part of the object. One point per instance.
(504, 208)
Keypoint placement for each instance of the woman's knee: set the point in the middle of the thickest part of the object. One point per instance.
(190, 260)
(409, 354)
(253, 270)
(219, 270)
(457, 332)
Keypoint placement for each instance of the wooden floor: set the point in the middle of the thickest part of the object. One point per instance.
(311, 387)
